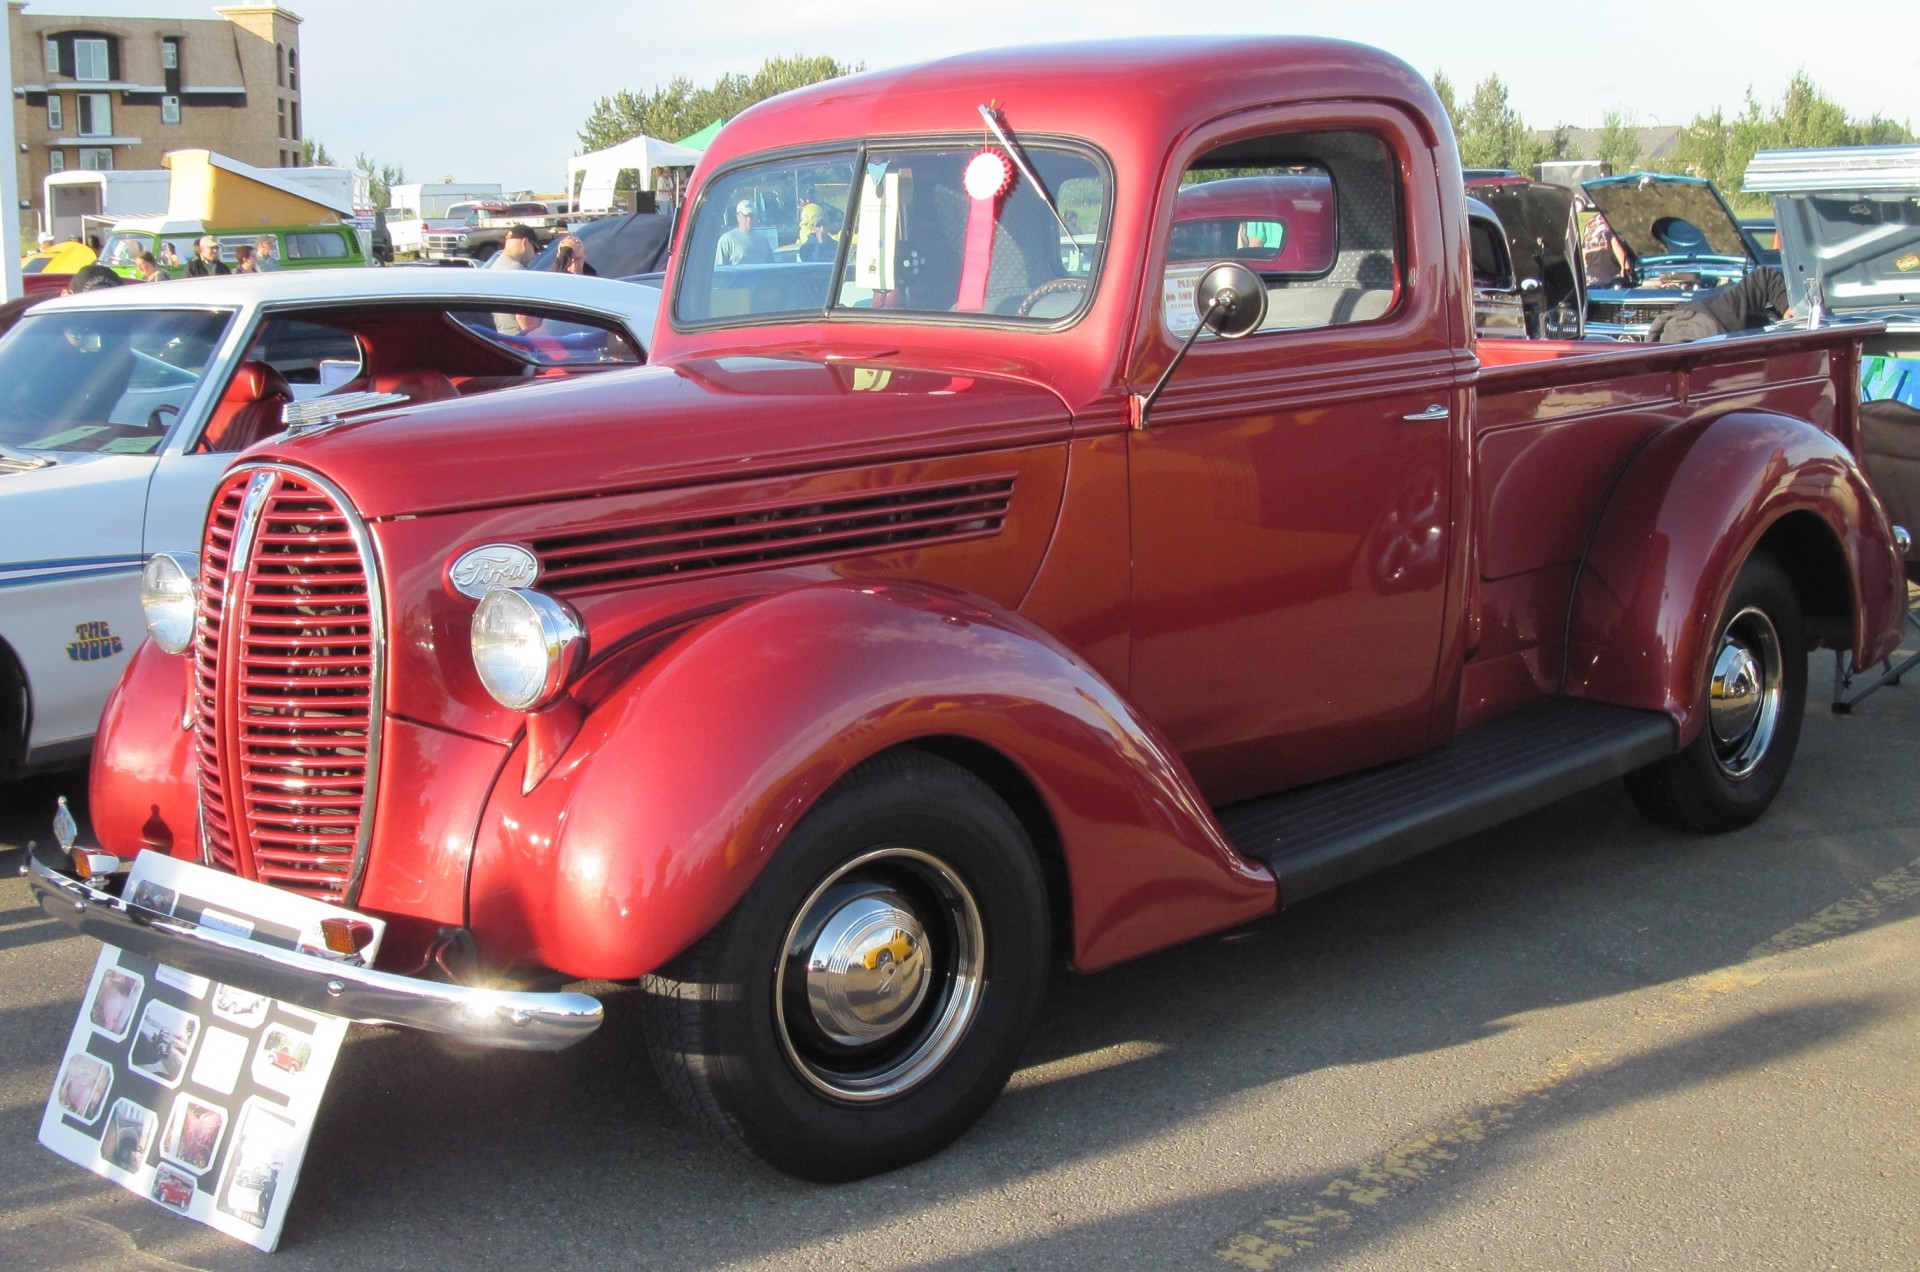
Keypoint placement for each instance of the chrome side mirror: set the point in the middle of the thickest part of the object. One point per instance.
(1231, 302)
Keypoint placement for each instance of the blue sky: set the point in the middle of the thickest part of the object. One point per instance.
(492, 90)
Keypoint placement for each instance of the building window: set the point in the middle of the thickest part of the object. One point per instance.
(280, 125)
(93, 114)
(293, 68)
(169, 110)
(90, 60)
(96, 159)
(170, 55)
(56, 116)
(295, 109)
(53, 56)
(280, 64)
(56, 161)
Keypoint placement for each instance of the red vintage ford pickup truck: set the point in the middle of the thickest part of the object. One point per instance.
(1015, 563)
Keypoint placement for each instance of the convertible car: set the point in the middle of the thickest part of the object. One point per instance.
(120, 408)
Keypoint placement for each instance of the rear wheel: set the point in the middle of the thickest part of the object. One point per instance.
(869, 996)
(1754, 698)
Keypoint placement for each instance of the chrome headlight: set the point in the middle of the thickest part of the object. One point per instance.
(526, 646)
(169, 590)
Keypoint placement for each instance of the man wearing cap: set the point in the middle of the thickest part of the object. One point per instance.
(740, 245)
(517, 250)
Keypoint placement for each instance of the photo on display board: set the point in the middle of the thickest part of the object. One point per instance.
(162, 1043)
(111, 1011)
(254, 1168)
(193, 1133)
(82, 1088)
(128, 1134)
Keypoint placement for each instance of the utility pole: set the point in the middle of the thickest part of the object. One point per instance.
(9, 172)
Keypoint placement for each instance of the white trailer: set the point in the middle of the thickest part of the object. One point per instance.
(71, 197)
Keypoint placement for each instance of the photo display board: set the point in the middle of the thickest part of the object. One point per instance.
(194, 1094)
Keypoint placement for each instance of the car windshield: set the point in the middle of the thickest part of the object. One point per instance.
(102, 380)
(948, 229)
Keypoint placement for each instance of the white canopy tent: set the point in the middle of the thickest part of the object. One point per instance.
(598, 173)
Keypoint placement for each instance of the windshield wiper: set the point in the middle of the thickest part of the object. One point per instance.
(17, 461)
(1019, 158)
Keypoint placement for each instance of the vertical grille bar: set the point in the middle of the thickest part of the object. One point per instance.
(287, 679)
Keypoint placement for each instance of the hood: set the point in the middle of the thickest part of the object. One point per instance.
(1851, 219)
(1541, 232)
(1659, 215)
(698, 421)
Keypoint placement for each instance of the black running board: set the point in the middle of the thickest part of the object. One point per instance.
(1327, 834)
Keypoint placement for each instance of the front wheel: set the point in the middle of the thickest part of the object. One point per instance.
(1755, 695)
(868, 997)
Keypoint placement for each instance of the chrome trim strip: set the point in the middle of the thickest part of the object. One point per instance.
(509, 1019)
(377, 625)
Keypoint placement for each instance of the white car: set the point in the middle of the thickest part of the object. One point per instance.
(121, 407)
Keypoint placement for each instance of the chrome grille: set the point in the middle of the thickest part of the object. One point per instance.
(287, 671)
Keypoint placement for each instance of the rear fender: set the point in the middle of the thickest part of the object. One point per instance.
(1685, 515)
(680, 784)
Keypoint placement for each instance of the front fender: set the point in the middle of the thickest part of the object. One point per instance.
(680, 785)
(1686, 513)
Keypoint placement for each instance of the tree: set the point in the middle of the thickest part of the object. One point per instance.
(313, 154)
(1443, 89)
(382, 177)
(680, 109)
(1619, 143)
(1492, 134)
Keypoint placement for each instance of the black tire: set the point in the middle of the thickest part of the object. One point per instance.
(485, 252)
(1728, 775)
(921, 888)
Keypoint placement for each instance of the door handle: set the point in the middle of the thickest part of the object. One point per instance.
(1434, 412)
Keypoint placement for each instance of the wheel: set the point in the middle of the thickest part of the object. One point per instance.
(868, 997)
(1755, 695)
(1054, 299)
(485, 252)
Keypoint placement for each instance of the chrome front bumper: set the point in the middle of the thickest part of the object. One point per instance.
(487, 1017)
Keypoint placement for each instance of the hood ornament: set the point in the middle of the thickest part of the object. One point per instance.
(324, 412)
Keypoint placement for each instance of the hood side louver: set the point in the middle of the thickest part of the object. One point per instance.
(759, 535)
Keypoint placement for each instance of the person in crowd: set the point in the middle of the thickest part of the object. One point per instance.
(91, 276)
(1606, 258)
(206, 258)
(244, 261)
(1748, 305)
(169, 259)
(518, 249)
(263, 258)
(148, 270)
(571, 257)
(740, 245)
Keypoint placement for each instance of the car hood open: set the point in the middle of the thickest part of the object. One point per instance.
(1660, 216)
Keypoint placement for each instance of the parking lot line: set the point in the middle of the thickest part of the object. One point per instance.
(1374, 1185)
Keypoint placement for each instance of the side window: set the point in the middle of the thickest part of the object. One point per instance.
(1316, 215)
(309, 245)
(312, 357)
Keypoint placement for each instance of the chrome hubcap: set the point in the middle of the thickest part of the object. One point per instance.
(880, 975)
(1744, 698)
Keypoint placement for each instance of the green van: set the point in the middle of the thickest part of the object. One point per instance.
(171, 242)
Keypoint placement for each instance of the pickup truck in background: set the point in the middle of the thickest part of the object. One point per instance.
(479, 230)
(1008, 583)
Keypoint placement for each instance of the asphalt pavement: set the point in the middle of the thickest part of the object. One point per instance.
(1578, 1041)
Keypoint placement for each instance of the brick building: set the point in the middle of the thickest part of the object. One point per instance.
(117, 93)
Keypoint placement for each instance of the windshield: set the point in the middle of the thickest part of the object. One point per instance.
(112, 380)
(948, 229)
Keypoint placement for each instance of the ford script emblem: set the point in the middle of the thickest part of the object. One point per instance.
(492, 565)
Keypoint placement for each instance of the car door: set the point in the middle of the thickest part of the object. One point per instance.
(1291, 493)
